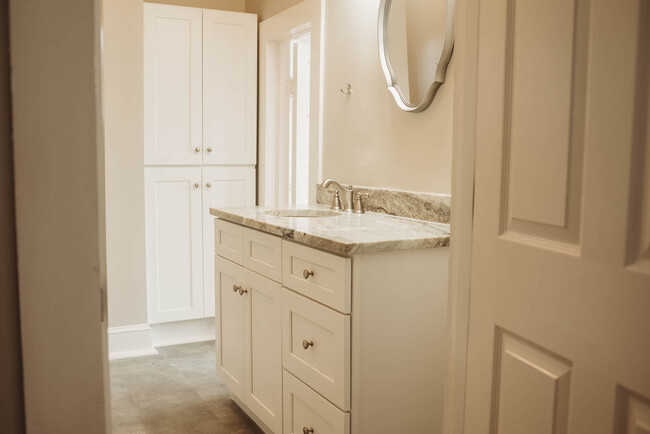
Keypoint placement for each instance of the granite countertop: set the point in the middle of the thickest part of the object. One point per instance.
(346, 234)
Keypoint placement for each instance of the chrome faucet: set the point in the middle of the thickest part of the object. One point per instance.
(345, 193)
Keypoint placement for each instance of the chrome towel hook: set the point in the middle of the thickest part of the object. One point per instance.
(347, 91)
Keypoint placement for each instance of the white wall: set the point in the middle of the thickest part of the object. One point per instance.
(367, 140)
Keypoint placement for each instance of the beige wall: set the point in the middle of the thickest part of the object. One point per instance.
(123, 119)
(367, 140)
(226, 5)
(267, 8)
(59, 212)
(11, 386)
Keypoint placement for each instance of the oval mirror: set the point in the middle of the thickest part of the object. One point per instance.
(416, 38)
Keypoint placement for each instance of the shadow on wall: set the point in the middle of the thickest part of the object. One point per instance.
(11, 390)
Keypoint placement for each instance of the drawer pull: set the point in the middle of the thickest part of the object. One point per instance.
(306, 430)
(306, 344)
(236, 288)
(306, 273)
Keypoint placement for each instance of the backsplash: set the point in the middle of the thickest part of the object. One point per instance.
(422, 206)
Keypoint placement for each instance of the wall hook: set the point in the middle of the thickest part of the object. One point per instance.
(347, 91)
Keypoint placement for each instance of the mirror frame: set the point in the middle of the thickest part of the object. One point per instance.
(384, 58)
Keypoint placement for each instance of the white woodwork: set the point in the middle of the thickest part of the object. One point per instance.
(173, 95)
(578, 307)
(229, 240)
(399, 341)
(223, 187)
(330, 284)
(635, 418)
(263, 355)
(387, 357)
(182, 332)
(263, 253)
(304, 408)
(324, 366)
(130, 341)
(275, 33)
(174, 243)
(229, 321)
(532, 389)
(229, 87)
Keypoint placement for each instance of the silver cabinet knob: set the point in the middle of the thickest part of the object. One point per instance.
(197, 150)
(307, 430)
(209, 149)
(306, 273)
(196, 185)
(208, 185)
(306, 344)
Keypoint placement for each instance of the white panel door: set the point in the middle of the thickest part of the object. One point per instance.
(230, 334)
(229, 87)
(174, 243)
(223, 187)
(172, 84)
(559, 335)
(263, 355)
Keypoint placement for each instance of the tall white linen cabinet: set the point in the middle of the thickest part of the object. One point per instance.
(200, 98)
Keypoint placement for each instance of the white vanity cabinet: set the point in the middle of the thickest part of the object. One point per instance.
(341, 344)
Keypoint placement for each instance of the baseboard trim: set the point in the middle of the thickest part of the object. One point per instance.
(182, 332)
(130, 341)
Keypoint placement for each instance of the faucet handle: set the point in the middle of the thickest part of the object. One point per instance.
(336, 202)
(358, 203)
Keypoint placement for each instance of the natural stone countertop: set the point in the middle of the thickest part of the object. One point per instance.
(346, 234)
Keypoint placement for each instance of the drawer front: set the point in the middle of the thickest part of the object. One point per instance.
(316, 346)
(229, 241)
(304, 408)
(321, 276)
(263, 254)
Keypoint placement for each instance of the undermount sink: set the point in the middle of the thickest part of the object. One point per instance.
(302, 213)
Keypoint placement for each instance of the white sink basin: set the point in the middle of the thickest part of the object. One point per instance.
(302, 213)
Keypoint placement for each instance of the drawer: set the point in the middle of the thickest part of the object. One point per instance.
(229, 241)
(306, 410)
(316, 346)
(263, 254)
(321, 276)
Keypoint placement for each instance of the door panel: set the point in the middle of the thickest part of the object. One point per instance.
(172, 84)
(222, 187)
(263, 326)
(230, 87)
(558, 337)
(230, 335)
(174, 240)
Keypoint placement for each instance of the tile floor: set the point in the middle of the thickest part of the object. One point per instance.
(175, 391)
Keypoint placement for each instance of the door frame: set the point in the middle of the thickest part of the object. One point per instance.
(58, 138)
(462, 203)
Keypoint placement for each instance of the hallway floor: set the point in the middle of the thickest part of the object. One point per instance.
(176, 391)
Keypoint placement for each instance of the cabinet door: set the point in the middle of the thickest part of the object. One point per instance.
(172, 84)
(229, 87)
(230, 334)
(222, 187)
(263, 355)
(174, 243)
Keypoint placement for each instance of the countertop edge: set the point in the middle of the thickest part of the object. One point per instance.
(329, 245)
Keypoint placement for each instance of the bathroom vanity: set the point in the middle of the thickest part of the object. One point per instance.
(332, 322)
